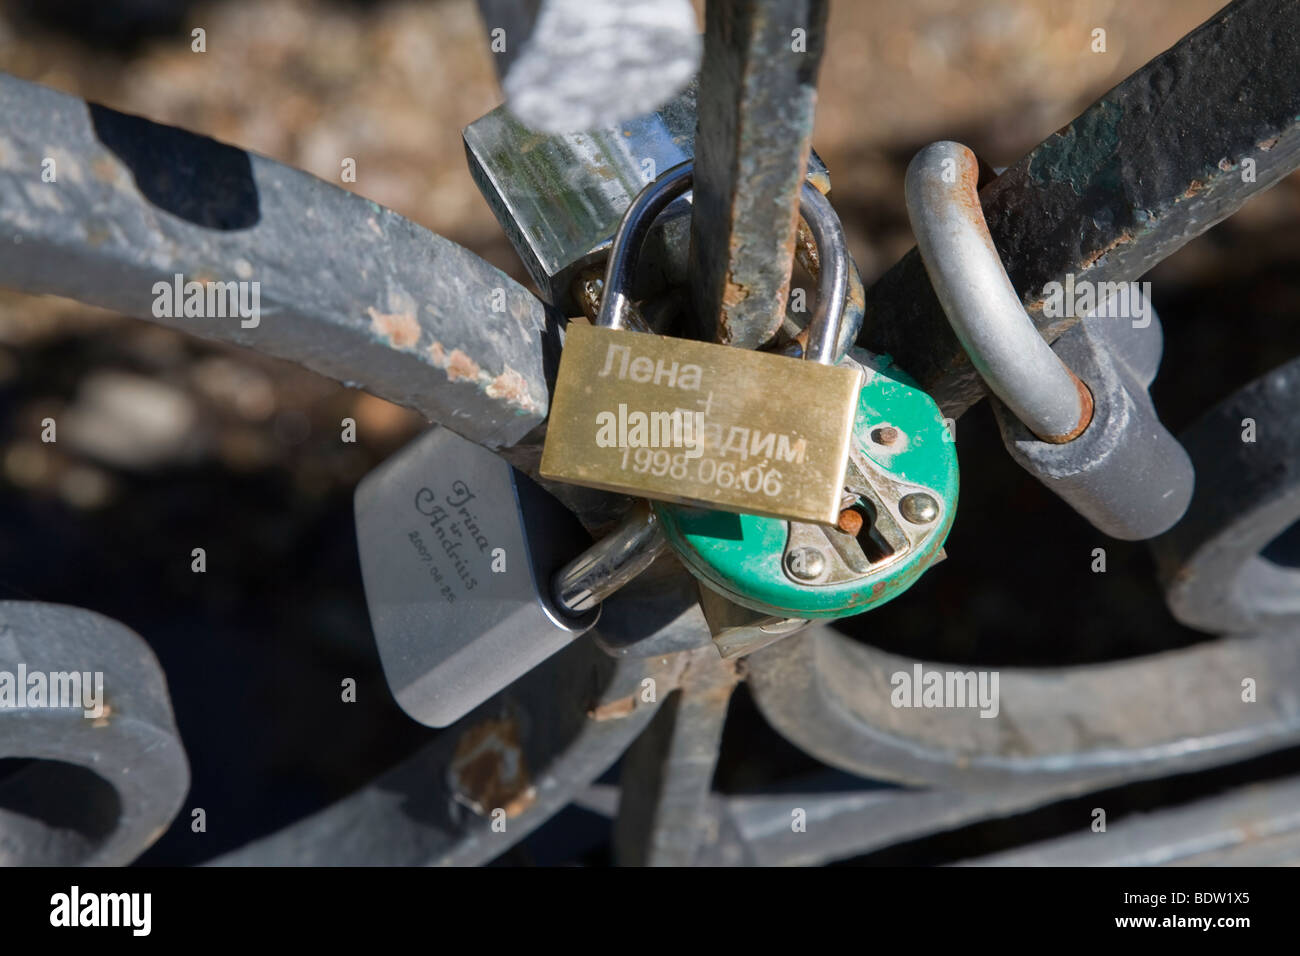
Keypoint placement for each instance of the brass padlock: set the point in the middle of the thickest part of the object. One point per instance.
(703, 424)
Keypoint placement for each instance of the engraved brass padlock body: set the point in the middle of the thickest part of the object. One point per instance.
(704, 424)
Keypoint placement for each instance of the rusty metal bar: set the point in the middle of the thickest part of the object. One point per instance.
(758, 90)
(1173, 149)
(338, 283)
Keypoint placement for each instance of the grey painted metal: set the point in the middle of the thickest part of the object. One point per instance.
(668, 771)
(1253, 826)
(1080, 727)
(579, 64)
(655, 614)
(1168, 152)
(346, 287)
(610, 563)
(824, 330)
(457, 553)
(758, 90)
(129, 742)
(1217, 567)
(1126, 474)
(979, 300)
(527, 751)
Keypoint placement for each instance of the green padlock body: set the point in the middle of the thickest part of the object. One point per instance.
(740, 555)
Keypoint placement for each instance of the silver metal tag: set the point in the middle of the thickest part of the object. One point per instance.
(457, 552)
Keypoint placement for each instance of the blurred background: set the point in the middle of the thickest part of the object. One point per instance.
(167, 443)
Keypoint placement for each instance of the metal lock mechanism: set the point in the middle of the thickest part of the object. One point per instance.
(700, 423)
(898, 500)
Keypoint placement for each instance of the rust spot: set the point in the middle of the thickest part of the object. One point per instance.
(885, 435)
(400, 329)
(512, 387)
(460, 365)
(850, 522)
(488, 770)
(733, 294)
(1085, 415)
(1194, 187)
(1267, 144)
(1123, 238)
(103, 719)
(614, 709)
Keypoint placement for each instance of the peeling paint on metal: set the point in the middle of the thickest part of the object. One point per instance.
(1084, 154)
(488, 770)
(399, 329)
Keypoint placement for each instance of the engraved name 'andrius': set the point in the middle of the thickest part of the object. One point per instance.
(447, 518)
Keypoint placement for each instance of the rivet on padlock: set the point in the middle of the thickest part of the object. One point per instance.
(1096, 441)
(700, 423)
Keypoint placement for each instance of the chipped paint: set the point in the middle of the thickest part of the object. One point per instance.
(399, 329)
(461, 366)
(1083, 155)
(512, 387)
(614, 709)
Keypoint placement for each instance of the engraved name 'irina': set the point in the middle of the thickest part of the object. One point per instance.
(454, 525)
(679, 428)
(208, 300)
(644, 370)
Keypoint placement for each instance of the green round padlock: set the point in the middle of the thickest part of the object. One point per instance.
(899, 503)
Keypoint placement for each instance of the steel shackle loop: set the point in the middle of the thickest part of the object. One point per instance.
(981, 304)
(827, 233)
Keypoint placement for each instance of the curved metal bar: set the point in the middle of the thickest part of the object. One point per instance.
(1219, 573)
(979, 300)
(142, 215)
(1091, 726)
(526, 752)
(121, 730)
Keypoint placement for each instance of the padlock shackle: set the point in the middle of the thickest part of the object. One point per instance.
(816, 210)
(982, 306)
(610, 563)
(632, 231)
(832, 280)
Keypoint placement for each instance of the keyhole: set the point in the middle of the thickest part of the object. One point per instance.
(873, 545)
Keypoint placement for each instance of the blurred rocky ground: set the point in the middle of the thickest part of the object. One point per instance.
(167, 443)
